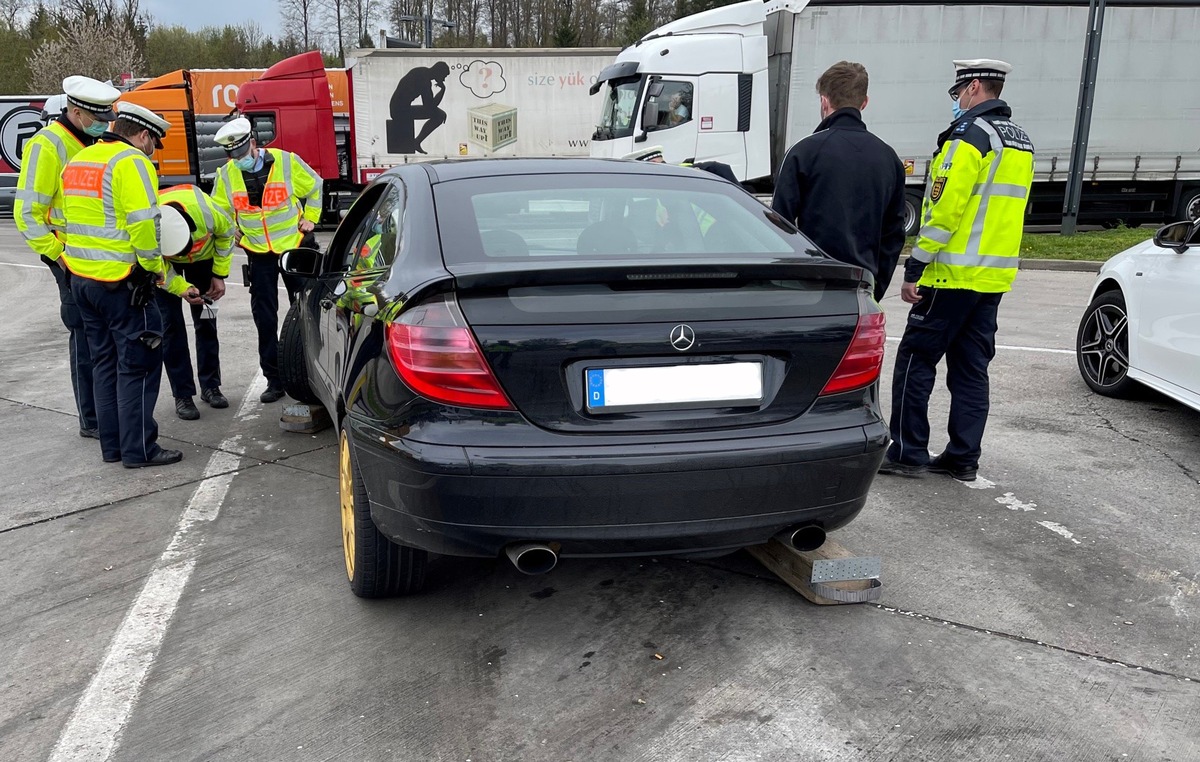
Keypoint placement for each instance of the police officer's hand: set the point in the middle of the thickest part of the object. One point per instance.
(192, 296)
(306, 226)
(908, 292)
(216, 289)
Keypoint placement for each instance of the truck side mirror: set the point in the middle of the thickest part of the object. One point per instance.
(302, 263)
(1177, 235)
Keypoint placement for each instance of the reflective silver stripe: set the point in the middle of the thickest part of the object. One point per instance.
(145, 254)
(31, 166)
(935, 234)
(977, 260)
(921, 255)
(141, 215)
(34, 229)
(985, 193)
(287, 174)
(1008, 190)
(99, 255)
(205, 210)
(59, 146)
(150, 186)
(93, 231)
(34, 197)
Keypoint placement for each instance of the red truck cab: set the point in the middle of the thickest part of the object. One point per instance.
(291, 109)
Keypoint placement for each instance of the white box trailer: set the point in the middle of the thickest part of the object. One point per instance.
(1143, 158)
(417, 105)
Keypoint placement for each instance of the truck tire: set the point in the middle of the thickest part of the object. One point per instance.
(912, 211)
(1189, 205)
(375, 566)
(293, 368)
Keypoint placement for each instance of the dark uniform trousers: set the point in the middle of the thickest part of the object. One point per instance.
(125, 342)
(264, 306)
(959, 325)
(81, 357)
(177, 358)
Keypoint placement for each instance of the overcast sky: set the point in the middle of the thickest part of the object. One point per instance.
(195, 15)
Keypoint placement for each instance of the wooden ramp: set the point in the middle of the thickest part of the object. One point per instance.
(827, 576)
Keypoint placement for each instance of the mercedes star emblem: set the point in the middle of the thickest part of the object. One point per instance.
(683, 337)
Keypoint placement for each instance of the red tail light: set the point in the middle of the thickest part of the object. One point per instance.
(863, 360)
(435, 353)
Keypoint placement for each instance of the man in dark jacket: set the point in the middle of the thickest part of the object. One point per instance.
(842, 186)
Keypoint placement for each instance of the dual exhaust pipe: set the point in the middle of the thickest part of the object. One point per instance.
(535, 558)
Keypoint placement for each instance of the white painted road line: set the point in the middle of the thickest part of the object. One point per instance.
(1059, 529)
(1017, 348)
(43, 267)
(95, 727)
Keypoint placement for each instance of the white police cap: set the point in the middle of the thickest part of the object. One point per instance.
(234, 137)
(979, 68)
(645, 154)
(92, 95)
(144, 117)
(175, 233)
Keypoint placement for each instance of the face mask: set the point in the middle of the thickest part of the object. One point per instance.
(95, 129)
(957, 109)
(246, 163)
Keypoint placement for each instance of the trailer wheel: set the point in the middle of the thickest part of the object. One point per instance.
(1189, 205)
(912, 212)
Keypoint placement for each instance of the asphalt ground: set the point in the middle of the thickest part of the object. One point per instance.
(200, 611)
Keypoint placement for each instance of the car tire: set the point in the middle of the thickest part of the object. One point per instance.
(375, 566)
(912, 212)
(1102, 347)
(293, 368)
(1189, 205)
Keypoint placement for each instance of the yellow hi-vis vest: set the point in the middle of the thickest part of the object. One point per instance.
(215, 232)
(110, 203)
(274, 226)
(974, 208)
(37, 208)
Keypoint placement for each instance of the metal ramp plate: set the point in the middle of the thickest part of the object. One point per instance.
(846, 569)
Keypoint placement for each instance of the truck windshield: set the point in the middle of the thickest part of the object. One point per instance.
(616, 113)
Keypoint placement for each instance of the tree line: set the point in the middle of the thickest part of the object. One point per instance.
(43, 41)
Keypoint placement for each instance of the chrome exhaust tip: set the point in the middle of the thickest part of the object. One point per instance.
(532, 557)
(803, 538)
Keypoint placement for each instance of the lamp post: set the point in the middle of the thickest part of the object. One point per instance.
(1083, 116)
(429, 22)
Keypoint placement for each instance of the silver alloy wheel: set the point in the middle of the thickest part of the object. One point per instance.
(910, 217)
(1104, 346)
(1192, 210)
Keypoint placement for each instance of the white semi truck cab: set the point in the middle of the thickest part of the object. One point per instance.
(699, 87)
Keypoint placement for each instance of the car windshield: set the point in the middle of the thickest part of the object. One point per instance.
(607, 216)
(616, 111)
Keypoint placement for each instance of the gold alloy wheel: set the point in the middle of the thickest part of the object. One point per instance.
(346, 488)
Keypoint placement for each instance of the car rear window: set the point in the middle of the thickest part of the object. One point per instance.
(606, 216)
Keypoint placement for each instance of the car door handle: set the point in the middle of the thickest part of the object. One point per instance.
(326, 304)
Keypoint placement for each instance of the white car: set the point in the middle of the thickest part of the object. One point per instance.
(1142, 326)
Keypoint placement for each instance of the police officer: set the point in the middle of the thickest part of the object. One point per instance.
(964, 261)
(274, 199)
(115, 233)
(204, 261)
(38, 210)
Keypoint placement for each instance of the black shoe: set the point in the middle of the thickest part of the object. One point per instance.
(962, 473)
(186, 409)
(214, 398)
(115, 459)
(892, 468)
(89, 433)
(164, 458)
(272, 394)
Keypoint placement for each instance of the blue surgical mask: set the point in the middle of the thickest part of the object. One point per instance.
(246, 163)
(96, 129)
(957, 109)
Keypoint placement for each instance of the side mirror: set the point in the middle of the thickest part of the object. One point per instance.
(1177, 235)
(302, 263)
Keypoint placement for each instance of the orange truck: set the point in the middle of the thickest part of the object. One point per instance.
(197, 102)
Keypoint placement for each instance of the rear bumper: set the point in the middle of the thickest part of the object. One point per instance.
(598, 500)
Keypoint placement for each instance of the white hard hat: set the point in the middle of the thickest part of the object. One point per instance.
(91, 95)
(54, 106)
(144, 117)
(176, 234)
(234, 137)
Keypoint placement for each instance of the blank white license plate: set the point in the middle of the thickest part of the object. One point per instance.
(693, 385)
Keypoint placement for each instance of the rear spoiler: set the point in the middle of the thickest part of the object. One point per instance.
(627, 272)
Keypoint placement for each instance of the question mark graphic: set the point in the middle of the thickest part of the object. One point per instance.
(487, 74)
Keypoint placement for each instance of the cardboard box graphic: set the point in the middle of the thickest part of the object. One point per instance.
(493, 126)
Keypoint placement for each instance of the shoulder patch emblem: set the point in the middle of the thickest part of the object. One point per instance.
(963, 127)
(938, 185)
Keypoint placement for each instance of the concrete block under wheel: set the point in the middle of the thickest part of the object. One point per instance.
(302, 418)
